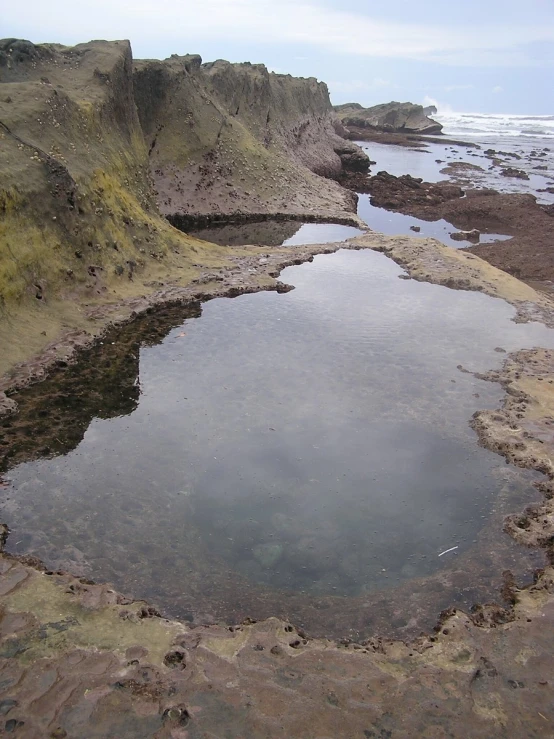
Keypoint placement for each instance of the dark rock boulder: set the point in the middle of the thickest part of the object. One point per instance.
(513, 172)
(389, 117)
(405, 192)
(352, 157)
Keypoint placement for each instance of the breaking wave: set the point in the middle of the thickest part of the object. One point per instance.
(479, 124)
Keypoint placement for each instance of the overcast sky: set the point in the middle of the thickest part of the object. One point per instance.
(492, 56)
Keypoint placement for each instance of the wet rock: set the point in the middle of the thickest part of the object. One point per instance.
(398, 193)
(513, 172)
(474, 235)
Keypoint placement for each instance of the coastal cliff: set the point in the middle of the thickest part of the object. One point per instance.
(387, 118)
(77, 209)
(234, 138)
(97, 149)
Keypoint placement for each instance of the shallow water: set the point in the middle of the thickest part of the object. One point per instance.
(276, 233)
(394, 224)
(306, 455)
(429, 162)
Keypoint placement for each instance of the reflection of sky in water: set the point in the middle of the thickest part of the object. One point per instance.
(399, 160)
(393, 224)
(275, 233)
(321, 233)
(316, 441)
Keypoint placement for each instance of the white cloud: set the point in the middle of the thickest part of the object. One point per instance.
(177, 24)
(380, 82)
(497, 89)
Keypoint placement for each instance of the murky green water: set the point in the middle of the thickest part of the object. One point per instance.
(306, 455)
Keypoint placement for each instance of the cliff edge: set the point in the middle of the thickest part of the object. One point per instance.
(235, 138)
(77, 208)
(95, 151)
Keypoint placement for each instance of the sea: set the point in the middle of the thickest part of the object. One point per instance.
(485, 125)
(524, 143)
(521, 142)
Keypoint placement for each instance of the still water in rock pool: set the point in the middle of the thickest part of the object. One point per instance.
(274, 232)
(305, 455)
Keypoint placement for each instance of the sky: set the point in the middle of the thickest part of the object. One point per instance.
(487, 56)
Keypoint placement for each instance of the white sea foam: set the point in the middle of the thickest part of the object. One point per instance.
(480, 124)
(496, 125)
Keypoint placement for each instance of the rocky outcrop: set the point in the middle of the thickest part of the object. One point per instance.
(388, 118)
(353, 159)
(406, 193)
(77, 209)
(527, 255)
(226, 138)
(96, 150)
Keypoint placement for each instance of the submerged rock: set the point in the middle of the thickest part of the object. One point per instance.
(268, 554)
(513, 172)
(474, 235)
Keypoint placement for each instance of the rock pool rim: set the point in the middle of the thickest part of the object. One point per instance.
(485, 615)
(186, 221)
(67, 347)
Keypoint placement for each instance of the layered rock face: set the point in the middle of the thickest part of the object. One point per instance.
(77, 209)
(388, 118)
(96, 149)
(234, 138)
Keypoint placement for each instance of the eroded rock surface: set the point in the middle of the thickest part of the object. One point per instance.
(92, 143)
(235, 138)
(527, 255)
(388, 117)
(78, 659)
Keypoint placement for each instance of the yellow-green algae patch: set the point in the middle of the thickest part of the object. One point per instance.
(431, 261)
(88, 628)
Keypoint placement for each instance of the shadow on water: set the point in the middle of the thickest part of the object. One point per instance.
(304, 455)
(271, 233)
(53, 415)
(275, 233)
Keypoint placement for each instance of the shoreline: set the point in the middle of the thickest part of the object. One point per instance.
(233, 279)
(460, 202)
(415, 140)
(132, 637)
(118, 664)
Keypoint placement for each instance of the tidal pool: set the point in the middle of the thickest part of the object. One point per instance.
(396, 224)
(275, 233)
(305, 455)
